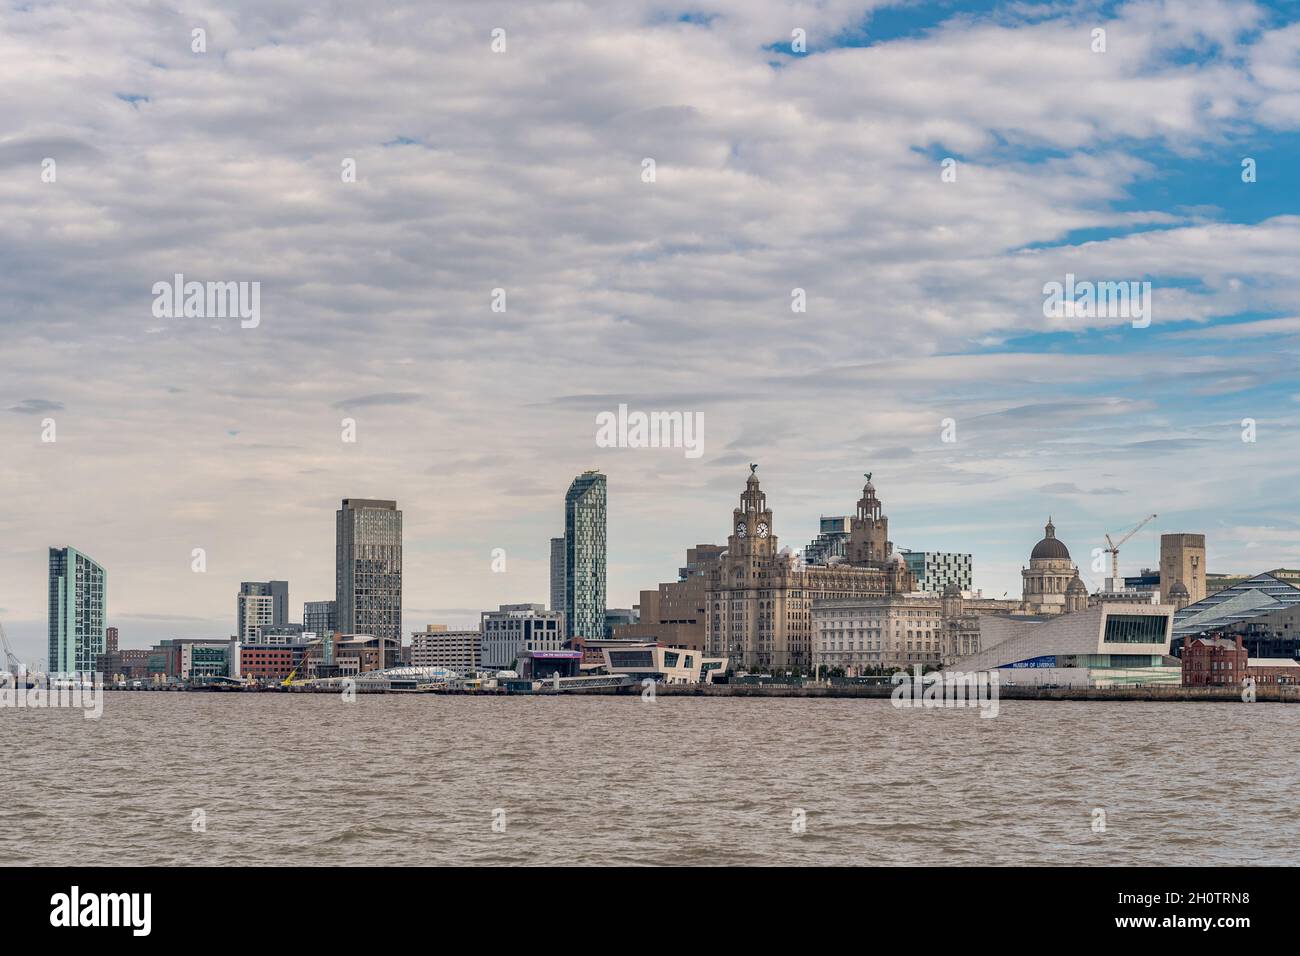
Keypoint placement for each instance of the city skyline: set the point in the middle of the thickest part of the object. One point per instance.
(924, 298)
(459, 618)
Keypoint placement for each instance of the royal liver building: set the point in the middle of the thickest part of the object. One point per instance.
(760, 600)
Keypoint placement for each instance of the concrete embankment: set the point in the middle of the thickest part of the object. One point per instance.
(1211, 694)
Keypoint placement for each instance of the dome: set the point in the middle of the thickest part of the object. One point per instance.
(1050, 548)
(1179, 590)
(952, 590)
(1076, 586)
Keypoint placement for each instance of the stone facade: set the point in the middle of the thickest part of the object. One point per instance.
(760, 599)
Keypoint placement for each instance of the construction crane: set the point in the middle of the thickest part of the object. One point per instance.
(1113, 549)
(12, 664)
(290, 681)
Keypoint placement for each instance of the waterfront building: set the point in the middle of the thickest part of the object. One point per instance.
(320, 617)
(436, 646)
(78, 588)
(665, 665)
(1222, 662)
(547, 665)
(584, 556)
(110, 640)
(518, 627)
(267, 661)
(675, 614)
(832, 542)
(1182, 560)
(557, 574)
(1051, 582)
(1110, 645)
(368, 570)
(862, 634)
(760, 599)
(195, 658)
(935, 570)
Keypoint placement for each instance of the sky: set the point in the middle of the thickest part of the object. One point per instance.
(777, 166)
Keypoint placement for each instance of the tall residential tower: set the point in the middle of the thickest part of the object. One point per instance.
(584, 556)
(77, 598)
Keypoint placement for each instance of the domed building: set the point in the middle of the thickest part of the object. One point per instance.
(1051, 582)
(1076, 595)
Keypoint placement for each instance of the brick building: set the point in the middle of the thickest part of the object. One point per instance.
(1217, 661)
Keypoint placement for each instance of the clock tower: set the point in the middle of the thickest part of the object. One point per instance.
(751, 523)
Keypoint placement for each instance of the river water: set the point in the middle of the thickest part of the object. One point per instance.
(181, 779)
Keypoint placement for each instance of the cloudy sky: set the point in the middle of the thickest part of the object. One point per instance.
(522, 170)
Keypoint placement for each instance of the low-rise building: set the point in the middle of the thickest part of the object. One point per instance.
(436, 646)
(194, 659)
(128, 664)
(865, 634)
(270, 661)
(1217, 661)
(1108, 645)
(518, 627)
(547, 665)
(667, 665)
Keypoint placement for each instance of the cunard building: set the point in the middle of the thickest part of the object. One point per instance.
(760, 600)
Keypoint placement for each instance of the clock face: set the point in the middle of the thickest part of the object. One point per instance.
(762, 529)
(741, 529)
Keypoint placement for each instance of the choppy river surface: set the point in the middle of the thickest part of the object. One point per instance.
(170, 778)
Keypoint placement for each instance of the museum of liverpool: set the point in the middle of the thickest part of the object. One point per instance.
(1109, 645)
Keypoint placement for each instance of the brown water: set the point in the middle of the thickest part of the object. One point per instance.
(309, 779)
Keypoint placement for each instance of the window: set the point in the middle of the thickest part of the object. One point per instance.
(1135, 629)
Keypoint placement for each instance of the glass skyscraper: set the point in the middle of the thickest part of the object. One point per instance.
(584, 557)
(368, 568)
(77, 597)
